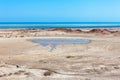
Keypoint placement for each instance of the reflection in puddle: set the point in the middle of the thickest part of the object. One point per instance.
(53, 42)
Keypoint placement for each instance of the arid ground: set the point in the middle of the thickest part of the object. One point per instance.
(21, 59)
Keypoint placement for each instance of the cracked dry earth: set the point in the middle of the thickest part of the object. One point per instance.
(23, 60)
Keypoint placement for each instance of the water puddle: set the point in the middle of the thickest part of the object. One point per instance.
(54, 42)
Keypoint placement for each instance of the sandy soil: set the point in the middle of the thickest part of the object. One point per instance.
(21, 59)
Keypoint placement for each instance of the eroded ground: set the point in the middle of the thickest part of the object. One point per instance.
(21, 59)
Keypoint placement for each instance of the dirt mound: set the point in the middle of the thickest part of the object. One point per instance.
(77, 31)
(62, 29)
(67, 30)
(101, 31)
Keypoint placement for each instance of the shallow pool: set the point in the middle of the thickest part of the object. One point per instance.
(54, 42)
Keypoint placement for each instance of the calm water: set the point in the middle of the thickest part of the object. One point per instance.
(4, 25)
(54, 42)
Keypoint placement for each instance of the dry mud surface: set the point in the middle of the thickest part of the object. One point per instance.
(21, 59)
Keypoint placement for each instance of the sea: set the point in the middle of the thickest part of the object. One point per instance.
(46, 25)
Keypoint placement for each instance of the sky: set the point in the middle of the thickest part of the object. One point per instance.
(59, 10)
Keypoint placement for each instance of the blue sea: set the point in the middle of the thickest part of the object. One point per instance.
(45, 25)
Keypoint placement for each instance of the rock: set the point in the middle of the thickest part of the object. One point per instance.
(48, 73)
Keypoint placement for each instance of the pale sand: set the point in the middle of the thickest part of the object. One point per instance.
(21, 59)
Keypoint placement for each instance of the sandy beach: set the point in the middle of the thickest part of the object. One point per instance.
(22, 59)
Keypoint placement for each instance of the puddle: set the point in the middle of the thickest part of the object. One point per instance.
(54, 42)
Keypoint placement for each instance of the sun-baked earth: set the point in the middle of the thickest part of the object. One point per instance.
(21, 59)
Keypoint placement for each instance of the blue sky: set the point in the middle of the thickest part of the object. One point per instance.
(59, 10)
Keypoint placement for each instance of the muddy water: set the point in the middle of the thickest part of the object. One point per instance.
(54, 42)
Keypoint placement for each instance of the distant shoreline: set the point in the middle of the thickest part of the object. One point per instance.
(50, 25)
